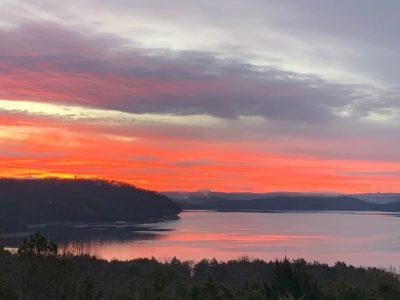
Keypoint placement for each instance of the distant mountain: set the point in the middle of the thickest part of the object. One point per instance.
(280, 201)
(289, 202)
(208, 196)
(35, 201)
(378, 197)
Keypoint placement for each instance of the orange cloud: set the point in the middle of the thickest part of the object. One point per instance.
(41, 147)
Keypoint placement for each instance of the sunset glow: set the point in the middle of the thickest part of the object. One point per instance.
(148, 104)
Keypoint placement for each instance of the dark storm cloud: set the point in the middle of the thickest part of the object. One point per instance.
(47, 62)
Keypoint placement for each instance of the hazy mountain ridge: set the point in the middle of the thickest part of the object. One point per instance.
(280, 201)
(210, 196)
(377, 197)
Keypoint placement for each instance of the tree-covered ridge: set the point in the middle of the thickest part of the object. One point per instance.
(31, 201)
(38, 271)
(293, 203)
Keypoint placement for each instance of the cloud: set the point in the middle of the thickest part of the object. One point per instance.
(47, 62)
(193, 163)
(77, 113)
(304, 37)
(264, 94)
(88, 77)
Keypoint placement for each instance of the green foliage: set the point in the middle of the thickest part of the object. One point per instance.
(38, 272)
(290, 280)
(87, 291)
(38, 245)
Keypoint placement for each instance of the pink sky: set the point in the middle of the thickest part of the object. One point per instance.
(256, 105)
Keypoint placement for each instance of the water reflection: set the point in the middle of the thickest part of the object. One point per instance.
(78, 234)
(356, 238)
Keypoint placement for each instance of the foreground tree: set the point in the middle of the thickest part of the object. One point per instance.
(38, 245)
(38, 272)
(291, 281)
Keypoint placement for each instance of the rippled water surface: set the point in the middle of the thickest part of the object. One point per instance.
(357, 238)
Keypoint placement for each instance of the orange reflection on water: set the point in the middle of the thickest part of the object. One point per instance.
(356, 238)
(197, 237)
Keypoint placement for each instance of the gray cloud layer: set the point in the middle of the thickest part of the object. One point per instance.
(271, 59)
(355, 39)
(101, 72)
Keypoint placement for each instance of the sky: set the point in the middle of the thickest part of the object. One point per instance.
(228, 95)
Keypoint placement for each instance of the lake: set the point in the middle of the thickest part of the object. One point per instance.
(358, 238)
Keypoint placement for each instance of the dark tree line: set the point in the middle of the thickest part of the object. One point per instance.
(38, 271)
(35, 201)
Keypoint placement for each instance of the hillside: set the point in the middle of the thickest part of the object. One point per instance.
(202, 197)
(33, 201)
(286, 203)
(381, 198)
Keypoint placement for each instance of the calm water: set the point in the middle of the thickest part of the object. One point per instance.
(358, 238)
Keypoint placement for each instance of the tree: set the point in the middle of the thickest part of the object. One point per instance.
(290, 280)
(38, 245)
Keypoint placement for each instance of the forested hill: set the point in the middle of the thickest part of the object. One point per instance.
(286, 203)
(33, 201)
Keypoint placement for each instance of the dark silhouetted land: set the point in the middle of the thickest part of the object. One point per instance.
(35, 201)
(278, 202)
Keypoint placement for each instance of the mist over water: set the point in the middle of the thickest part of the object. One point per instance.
(359, 238)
